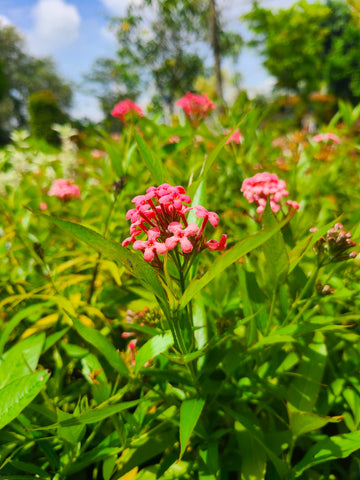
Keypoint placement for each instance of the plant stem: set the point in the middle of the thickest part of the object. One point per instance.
(97, 264)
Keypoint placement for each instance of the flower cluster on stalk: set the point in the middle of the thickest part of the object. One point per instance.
(64, 190)
(161, 214)
(334, 246)
(196, 107)
(127, 110)
(260, 187)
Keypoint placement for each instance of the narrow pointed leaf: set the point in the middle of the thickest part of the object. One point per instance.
(152, 349)
(17, 395)
(190, 412)
(331, 448)
(152, 161)
(228, 258)
(102, 344)
(132, 262)
(277, 262)
(304, 389)
(97, 414)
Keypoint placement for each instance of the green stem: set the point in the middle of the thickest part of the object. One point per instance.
(269, 321)
(97, 264)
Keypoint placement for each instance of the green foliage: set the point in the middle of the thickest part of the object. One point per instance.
(241, 366)
(44, 112)
(21, 75)
(154, 44)
(310, 46)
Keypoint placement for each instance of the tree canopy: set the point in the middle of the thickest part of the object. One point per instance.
(310, 46)
(163, 47)
(22, 74)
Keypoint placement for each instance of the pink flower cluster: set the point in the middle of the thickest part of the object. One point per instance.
(161, 215)
(126, 110)
(64, 190)
(196, 107)
(266, 185)
(325, 137)
(237, 137)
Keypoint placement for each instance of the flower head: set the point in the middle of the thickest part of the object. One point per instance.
(126, 110)
(160, 214)
(321, 137)
(260, 187)
(150, 246)
(334, 246)
(236, 137)
(196, 107)
(64, 190)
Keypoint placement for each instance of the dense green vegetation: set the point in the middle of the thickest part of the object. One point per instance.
(100, 367)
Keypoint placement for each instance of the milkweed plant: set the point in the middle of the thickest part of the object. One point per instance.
(152, 337)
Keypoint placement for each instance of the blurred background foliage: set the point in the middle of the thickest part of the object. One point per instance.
(166, 48)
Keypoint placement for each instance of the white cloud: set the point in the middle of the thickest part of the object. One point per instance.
(4, 21)
(265, 88)
(56, 25)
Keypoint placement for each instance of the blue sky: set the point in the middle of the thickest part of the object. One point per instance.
(75, 33)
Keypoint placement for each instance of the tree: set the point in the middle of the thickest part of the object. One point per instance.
(342, 49)
(44, 112)
(20, 75)
(291, 42)
(309, 46)
(162, 46)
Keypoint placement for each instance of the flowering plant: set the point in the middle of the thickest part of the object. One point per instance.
(324, 137)
(161, 215)
(64, 190)
(166, 359)
(263, 186)
(127, 110)
(196, 107)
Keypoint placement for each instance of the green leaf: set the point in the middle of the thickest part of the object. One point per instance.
(190, 412)
(16, 319)
(21, 359)
(149, 446)
(29, 468)
(116, 153)
(102, 344)
(276, 258)
(198, 199)
(152, 161)
(252, 455)
(17, 395)
(304, 389)
(228, 258)
(98, 414)
(280, 465)
(331, 448)
(70, 434)
(152, 348)
(302, 422)
(271, 340)
(253, 302)
(100, 387)
(53, 338)
(128, 259)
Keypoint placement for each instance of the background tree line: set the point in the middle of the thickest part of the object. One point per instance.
(165, 48)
